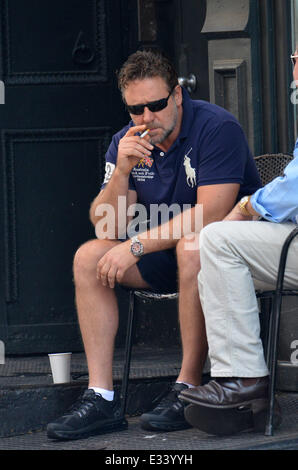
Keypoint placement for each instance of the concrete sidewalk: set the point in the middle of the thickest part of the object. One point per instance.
(136, 439)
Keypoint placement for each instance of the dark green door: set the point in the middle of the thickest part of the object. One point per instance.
(58, 62)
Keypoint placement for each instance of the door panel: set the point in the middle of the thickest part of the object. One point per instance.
(52, 42)
(58, 62)
(192, 46)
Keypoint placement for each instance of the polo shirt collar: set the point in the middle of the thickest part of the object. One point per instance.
(188, 113)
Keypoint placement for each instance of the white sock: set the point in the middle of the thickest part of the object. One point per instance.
(106, 394)
(185, 383)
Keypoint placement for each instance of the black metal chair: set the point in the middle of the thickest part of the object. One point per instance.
(269, 167)
(273, 334)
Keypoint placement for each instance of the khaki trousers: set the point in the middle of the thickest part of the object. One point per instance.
(236, 259)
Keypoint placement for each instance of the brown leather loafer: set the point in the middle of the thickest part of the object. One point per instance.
(226, 392)
(226, 406)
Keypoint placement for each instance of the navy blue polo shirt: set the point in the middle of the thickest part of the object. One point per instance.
(210, 149)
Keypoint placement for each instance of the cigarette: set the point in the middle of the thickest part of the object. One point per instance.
(144, 133)
(147, 160)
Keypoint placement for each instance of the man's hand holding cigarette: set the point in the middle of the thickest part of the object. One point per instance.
(132, 148)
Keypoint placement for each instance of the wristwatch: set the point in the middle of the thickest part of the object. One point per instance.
(242, 206)
(136, 247)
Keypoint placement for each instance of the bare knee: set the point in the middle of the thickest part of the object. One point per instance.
(188, 258)
(86, 259)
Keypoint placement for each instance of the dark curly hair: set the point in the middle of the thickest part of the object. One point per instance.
(147, 64)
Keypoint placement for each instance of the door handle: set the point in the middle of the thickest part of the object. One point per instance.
(190, 82)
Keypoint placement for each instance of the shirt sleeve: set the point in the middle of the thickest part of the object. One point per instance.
(278, 200)
(223, 155)
(111, 160)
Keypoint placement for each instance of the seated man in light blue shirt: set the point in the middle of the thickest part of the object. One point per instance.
(237, 259)
(278, 200)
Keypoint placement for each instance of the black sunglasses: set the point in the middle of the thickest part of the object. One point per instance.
(153, 106)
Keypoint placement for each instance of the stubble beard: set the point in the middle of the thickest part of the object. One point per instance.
(165, 131)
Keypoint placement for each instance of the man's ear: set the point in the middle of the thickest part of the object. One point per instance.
(178, 95)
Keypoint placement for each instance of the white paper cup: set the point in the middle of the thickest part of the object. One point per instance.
(60, 366)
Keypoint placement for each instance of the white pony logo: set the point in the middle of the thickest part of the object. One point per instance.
(190, 172)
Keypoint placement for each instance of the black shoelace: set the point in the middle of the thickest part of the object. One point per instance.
(82, 406)
(169, 399)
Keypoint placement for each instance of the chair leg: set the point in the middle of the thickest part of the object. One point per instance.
(274, 332)
(272, 360)
(265, 315)
(128, 348)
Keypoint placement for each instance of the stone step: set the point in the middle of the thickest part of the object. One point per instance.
(29, 399)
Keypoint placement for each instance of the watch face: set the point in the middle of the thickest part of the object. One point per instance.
(244, 200)
(137, 248)
(242, 206)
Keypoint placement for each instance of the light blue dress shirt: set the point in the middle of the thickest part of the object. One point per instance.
(278, 200)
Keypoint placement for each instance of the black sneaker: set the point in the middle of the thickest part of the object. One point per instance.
(90, 415)
(169, 413)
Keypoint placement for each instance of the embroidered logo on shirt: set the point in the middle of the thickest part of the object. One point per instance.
(145, 161)
(110, 167)
(190, 172)
(142, 173)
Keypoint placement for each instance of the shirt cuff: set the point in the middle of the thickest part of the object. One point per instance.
(259, 208)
